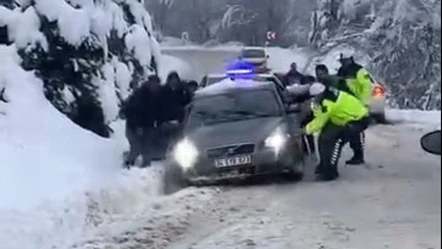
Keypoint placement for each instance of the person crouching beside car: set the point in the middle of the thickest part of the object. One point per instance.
(338, 117)
(141, 113)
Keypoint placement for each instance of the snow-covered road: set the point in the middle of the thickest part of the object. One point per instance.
(74, 195)
(392, 202)
(204, 61)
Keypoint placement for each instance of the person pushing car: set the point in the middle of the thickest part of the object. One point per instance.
(357, 143)
(338, 117)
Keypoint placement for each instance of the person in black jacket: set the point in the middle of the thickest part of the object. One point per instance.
(192, 86)
(175, 97)
(294, 76)
(141, 112)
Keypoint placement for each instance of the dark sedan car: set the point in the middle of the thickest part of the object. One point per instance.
(237, 130)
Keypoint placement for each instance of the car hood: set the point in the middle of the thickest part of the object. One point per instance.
(244, 131)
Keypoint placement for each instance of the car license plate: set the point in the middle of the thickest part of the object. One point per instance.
(233, 161)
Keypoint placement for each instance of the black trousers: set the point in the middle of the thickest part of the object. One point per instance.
(141, 143)
(356, 137)
(330, 144)
(331, 141)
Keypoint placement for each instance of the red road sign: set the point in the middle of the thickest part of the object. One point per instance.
(271, 35)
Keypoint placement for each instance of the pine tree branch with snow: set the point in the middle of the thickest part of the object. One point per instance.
(89, 54)
(401, 38)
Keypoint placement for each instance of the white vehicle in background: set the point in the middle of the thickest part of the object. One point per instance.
(256, 56)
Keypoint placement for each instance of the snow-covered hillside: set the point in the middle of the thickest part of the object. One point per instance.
(63, 62)
(89, 54)
(53, 174)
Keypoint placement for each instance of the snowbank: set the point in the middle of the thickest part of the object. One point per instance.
(170, 63)
(56, 179)
(414, 116)
(280, 58)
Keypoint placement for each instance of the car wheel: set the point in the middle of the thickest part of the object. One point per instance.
(294, 176)
(173, 179)
(297, 173)
(379, 118)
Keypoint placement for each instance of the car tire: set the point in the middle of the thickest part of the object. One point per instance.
(294, 176)
(297, 173)
(379, 118)
(173, 179)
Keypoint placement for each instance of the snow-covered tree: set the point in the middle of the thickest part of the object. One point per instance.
(402, 38)
(245, 21)
(89, 53)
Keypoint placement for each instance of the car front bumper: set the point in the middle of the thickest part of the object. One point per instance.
(264, 162)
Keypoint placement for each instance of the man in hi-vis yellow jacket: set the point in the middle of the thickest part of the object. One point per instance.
(339, 117)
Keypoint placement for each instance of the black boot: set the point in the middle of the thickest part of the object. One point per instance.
(327, 177)
(318, 169)
(355, 160)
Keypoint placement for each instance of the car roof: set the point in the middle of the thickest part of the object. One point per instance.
(216, 75)
(230, 86)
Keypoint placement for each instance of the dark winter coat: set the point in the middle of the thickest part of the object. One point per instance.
(358, 80)
(174, 98)
(141, 109)
(293, 77)
(349, 71)
(173, 102)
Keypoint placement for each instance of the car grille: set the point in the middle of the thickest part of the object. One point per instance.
(230, 150)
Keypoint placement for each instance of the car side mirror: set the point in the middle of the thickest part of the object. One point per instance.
(430, 142)
(267, 56)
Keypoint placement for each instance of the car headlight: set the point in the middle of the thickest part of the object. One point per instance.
(277, 140)
(185, 153)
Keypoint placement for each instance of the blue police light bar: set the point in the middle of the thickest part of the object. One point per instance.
(240, 70)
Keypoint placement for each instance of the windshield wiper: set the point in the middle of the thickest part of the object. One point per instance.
(211, 118)
(250, 114)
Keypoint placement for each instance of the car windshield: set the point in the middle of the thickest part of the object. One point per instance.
(253, 53)
(274, 80)
(234, 106)
(213, 80)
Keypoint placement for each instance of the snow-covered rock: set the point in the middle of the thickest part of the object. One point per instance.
(89, 54)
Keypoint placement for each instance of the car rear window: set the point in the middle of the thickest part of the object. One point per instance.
(253, 53)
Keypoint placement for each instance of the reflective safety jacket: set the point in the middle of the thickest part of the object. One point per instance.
(359, 81)
(337, 107)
